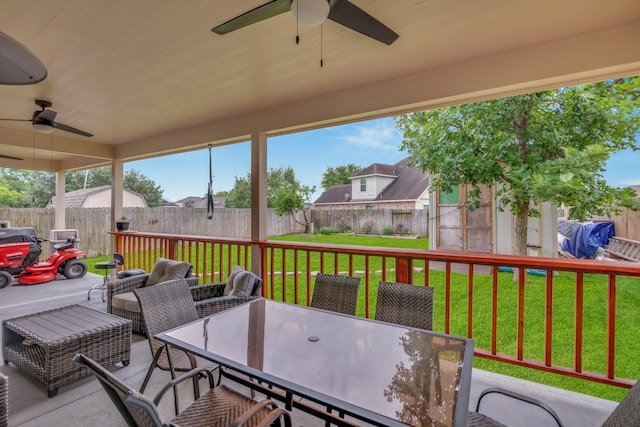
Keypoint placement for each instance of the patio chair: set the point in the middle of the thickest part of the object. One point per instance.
(405, 304)
(240, 287)
(220, 406)
(4, 401)
(478, 419)
(165, 307)
(123, 303)
(626, 413)
(336, 293)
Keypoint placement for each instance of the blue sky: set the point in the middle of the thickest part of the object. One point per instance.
(309, 154)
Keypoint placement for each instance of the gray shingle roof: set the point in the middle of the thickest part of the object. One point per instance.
(75, 199)
(410, 183)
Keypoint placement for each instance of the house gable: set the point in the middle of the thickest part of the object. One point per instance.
(385, 186)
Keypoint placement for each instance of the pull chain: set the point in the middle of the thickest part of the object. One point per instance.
(297, 23)
(321, 59)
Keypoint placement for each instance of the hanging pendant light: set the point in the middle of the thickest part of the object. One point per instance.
(310, 13)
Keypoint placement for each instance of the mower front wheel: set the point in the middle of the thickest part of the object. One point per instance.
(74, 269)
(5, 279)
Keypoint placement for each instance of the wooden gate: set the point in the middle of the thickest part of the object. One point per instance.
(460, 229)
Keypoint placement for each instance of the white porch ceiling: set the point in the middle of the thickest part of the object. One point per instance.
(148, 77)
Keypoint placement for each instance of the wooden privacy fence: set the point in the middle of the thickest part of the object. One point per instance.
(94, 223)
(627, 224)
(403, 221)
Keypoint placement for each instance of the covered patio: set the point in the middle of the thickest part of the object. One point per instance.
(85, 403)
(150, 79)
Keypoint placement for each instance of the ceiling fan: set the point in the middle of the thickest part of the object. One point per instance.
(43, 120)
(341, 11)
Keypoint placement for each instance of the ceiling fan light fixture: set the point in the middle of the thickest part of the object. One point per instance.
(42, 128)
(310, 13)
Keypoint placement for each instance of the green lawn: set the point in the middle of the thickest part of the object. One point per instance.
(595, 294)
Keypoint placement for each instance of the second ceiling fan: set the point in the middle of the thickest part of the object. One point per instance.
(341, 11)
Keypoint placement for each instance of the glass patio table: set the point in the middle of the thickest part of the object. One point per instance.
(380, 373)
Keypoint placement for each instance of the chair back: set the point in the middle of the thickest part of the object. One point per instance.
(165, 306)
(336, 293)
(405, 304)
(626, 413)
(133, 414)
(118, 258)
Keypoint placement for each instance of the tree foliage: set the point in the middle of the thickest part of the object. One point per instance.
(37, 188)
(549, 146)
(240, 194)
(285, 194)
(339, 175)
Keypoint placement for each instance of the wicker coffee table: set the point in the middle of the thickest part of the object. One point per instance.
(43, 344)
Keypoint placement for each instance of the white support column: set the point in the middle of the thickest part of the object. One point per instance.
(60, 217)
(117, 179)
(258, 197)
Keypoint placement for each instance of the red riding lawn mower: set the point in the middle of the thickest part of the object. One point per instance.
(19, 252)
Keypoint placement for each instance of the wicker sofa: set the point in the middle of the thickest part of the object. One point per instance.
(209, 298)
(123, 303)
(214, 297)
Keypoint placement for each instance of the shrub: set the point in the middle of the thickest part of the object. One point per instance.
(328, 230)
(342, 226)
(399, 229)
(368, 227)
(387, 230)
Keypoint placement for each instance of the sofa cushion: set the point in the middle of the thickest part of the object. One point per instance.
(126, 301)
(229, 286)
(243, 284)
(168, 269)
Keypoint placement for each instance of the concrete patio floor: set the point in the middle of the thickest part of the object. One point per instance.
(84, 403)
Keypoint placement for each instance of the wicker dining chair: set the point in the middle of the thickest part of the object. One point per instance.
(165, 307)
(336, 293)
(220, 406)
(478, 419)
(405, 304)
(626, 413)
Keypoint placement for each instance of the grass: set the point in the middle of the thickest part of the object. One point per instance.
(564, 296)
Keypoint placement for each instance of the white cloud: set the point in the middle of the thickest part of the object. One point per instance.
(376, 134)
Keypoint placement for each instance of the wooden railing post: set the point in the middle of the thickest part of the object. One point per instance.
(404, 270)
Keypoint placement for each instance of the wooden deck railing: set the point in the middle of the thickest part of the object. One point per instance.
(538, 312)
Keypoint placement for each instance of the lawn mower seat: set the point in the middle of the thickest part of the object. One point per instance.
(70, 243)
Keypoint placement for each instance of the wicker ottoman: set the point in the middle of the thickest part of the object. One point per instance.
(43, 344)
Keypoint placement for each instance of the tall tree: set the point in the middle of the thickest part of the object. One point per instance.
(339, 175)
(240, 194)
(282, 178)
(38, 187)
(138, 182)
(549, 146)
(288, 201)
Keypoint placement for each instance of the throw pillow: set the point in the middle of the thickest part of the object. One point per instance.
(243, 284)
(167, 269)
(229, 286)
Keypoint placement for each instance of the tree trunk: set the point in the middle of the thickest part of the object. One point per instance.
(522, 223)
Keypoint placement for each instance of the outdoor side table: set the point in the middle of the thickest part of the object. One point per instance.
(42, 345)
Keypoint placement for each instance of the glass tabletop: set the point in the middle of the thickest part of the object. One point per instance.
(378, 367)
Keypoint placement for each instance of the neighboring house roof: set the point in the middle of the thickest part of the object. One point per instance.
(377, 169)
(410, 184)
(201, 202)
(77, 198)
(335, 194)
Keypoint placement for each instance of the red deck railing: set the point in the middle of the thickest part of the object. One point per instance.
(534, 298)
